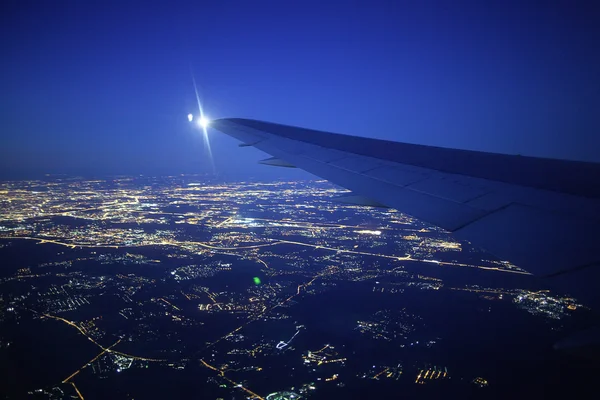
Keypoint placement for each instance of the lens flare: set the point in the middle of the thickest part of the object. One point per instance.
(190, 117)
(203, 122)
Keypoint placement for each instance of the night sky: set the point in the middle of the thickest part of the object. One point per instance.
(92, 88)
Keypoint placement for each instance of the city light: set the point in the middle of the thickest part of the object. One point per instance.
(175, 254)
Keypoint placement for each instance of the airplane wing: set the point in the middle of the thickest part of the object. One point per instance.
(542, 215)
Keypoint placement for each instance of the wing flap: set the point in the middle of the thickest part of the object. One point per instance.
(546, 242)
(396, 175)
(324, 155)
(357, 163)
(447, 189)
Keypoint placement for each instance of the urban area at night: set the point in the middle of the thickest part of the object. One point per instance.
(131, 287)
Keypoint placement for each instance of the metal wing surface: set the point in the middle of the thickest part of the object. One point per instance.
(542, 215)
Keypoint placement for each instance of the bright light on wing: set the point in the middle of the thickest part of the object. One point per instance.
(190, 117)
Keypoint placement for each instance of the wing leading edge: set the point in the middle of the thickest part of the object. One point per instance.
(540, 214)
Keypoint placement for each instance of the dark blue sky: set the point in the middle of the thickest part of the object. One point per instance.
(99, 87)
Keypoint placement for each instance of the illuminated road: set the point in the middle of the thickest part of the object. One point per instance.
(74, 325)
(304, 224)
(70, 323)
(338, 250)
(419, 376)
(281, 345)
(91, 361)
(238, 385)
(320, 350)
(491, 291)
(380, 373)
(175, 307)
(263, 263)
(124, 246)
(187, 245)
(77, 391)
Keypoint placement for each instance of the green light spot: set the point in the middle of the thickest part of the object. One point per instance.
(256, 280)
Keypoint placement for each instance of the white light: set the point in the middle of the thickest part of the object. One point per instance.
(203, 122)
(190, 117)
